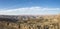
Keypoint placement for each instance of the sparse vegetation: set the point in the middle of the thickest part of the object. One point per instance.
(49, 20)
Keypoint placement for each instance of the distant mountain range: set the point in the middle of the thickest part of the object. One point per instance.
(14, 18)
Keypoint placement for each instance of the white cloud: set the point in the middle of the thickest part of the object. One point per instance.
(29, 10)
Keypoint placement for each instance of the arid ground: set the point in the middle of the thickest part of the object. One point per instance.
(30, 22)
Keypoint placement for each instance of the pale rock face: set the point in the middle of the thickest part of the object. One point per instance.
(55, 20)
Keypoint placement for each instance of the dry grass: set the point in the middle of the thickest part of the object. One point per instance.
(45, 20)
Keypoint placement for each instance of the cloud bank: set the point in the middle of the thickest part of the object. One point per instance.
(30, 11)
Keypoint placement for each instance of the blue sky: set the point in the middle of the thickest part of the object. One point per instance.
(17, 7)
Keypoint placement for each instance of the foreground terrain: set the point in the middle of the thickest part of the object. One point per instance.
(30, 22)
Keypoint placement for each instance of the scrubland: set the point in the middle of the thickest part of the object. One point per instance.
(31, 22)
